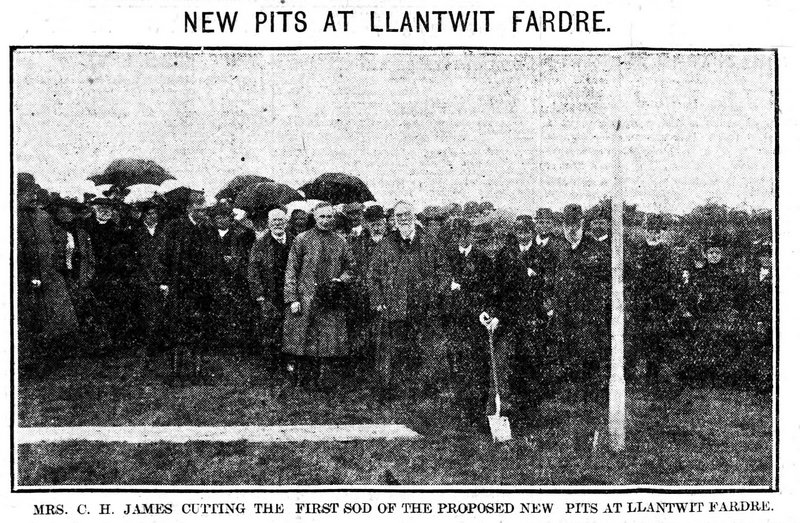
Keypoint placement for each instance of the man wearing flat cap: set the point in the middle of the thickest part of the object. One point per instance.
(434, 219)
(190, 275)
(45, 316)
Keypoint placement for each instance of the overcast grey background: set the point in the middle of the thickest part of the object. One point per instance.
(522, 129)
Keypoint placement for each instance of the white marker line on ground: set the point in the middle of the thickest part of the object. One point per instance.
(183, 434)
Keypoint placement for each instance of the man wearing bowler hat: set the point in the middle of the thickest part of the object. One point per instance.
(471, 292)
(363, 326)
(523, 369)
(233, 312)
(579, 313)
(653, 288)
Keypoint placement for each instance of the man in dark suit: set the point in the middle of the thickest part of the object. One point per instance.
(232, 309)
(522, 368)
(191, 273)
(579, 307)
(654, 289)
(148, 241)
(407, 275)
(266, 274)
(471, 292)
(363, 327)
(111, 289)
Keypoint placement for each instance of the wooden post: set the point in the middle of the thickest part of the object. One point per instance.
(616, 386)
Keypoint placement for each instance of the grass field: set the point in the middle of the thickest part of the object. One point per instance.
(689, 437)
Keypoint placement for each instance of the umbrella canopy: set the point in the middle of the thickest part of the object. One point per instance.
(265, 195)
(338, 188)
(178, 197)
(239, 182)
(125, 172)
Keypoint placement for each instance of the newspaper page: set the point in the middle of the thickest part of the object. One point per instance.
(363, 261)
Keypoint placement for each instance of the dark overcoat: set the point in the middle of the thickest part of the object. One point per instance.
(266, 270)
(407, 279)
(46, 311)
(192, 270)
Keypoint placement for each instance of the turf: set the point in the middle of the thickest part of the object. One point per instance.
(678, 437)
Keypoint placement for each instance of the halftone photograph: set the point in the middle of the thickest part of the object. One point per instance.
(372, 268)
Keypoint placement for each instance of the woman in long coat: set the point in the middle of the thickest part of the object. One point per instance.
(45, 314)
(317, 257)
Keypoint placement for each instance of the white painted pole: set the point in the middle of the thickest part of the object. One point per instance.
(616, 386)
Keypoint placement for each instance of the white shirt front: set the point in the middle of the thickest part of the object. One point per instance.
(465, 250)
(71, 248)
(261, 234)
(151, 230)
(222, 232)
(279, 239)
(526, 247)
(542, 242)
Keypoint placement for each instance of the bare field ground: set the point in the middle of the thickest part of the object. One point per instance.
(676, 437)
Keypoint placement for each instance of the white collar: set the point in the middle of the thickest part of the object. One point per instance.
(603, 238)
(656, 244)
(465, 250)
(222, 232)
(151, 230)
(279, 239)
(261, 234)
(410, 236)
(357, 230)
(526, 247)
(376, 237)
(763, 273)
(542, 242)
(101, 222)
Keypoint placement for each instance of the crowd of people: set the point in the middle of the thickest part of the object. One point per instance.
(410, 303)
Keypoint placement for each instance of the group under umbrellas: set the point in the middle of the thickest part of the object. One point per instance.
(124, 172)
(248, 192)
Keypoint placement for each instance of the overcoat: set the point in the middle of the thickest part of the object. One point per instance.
(46, 310)
(191, 271)
(266, 270)
(407, 279)
(316, 257)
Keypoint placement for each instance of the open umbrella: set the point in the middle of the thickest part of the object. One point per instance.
(338, 188)
(178, 197)
(125, 172)
(265, 195)
(239, 182)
